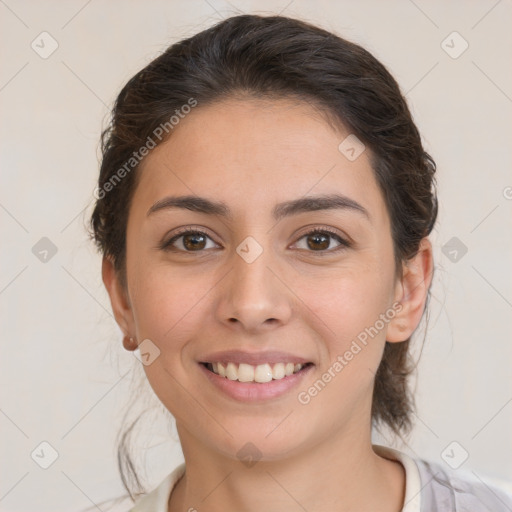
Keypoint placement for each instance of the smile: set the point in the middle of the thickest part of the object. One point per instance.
(249, 373)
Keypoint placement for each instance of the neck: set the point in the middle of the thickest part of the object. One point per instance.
(334, 475)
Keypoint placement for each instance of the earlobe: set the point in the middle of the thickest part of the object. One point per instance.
(412, 293)
(129, 344)
(119, 300)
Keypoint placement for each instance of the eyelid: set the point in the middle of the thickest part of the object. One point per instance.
(186, 229)
(319, 228)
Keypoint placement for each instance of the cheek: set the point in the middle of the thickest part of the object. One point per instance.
(347, 317)
(169, 310)
(347, 305)
(347, 314)
(167, 304)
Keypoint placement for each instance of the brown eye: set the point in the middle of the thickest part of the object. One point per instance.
(319, 240)
(194, 241)
(188, 241)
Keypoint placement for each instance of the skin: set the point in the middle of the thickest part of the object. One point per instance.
(252, 154)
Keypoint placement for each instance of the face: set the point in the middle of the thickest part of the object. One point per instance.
(260, 281)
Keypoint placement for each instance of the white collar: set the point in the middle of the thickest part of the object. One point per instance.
(412, 500)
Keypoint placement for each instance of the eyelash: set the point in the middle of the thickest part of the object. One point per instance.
(344, 244)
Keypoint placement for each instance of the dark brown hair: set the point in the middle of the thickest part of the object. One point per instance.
(277, 57)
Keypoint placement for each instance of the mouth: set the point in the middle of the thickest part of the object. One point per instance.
(261, 373)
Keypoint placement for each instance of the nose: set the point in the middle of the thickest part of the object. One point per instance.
(254, 296)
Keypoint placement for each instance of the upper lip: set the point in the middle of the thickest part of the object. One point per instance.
(252, 358)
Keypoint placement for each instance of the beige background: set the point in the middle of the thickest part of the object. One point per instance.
(61, 380)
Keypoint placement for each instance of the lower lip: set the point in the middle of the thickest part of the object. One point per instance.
(255, 391)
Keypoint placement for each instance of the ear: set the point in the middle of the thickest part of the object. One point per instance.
(411, 292)
(120, 303)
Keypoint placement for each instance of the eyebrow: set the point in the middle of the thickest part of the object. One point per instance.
(281, 210)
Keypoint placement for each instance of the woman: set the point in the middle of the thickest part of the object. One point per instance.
(263, 208)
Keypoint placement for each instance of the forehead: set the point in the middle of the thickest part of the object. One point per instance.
(251, 151)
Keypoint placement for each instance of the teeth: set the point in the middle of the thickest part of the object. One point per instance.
(231, 371)
(278, 372)
(261, 373)
(245, 373)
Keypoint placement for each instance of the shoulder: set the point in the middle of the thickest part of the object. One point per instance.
(432, 487)
(157, 500)
(448, 490)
